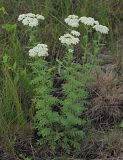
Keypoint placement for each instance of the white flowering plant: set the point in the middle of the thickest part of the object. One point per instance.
(75, 78)
(41, 50)
(41, 84)
(72, 20)
(91, 38)
(52, 126)
(31, 21)
(91, 35)
(47, 121)
(62, 128)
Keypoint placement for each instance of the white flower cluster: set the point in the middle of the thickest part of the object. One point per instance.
(69, 39)
(101, 29)
(88, 21)
(41, 50)
(72, 20)
(95, 24)
(75, 33)
(30, 19)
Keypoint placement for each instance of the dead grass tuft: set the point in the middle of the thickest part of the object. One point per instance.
(103, 145)
(107, 100)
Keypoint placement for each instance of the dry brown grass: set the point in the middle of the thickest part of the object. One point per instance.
(107, 99)
(104, 145)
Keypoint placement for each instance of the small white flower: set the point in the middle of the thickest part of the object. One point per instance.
(32, 52)
(30, 19)
(30, 15)
(68, 39)
(38, 16)
(75, 33)
(72, 20)
(33, 22)
(21, 17)
(87, 21)
(96, 22)
(101, 29)
(25, 22)
(41, 50)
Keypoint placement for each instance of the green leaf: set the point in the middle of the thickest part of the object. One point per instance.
(121, 124)
(9, 27)
(14, 66)
(5, 58)
(3, 10)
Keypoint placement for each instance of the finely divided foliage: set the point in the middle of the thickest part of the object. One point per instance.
(74, 102)
(43, 102)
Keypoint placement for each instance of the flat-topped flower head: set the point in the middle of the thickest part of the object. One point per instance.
(72, 20)
(101, 29)
(41, 50)
(75, 33)
(38, 16)
(96, 23)
(69, 39)
(88, 21)
(31, 15)
(21, 17)
(30, 19)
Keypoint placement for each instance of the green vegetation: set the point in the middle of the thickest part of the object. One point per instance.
(61, 93)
